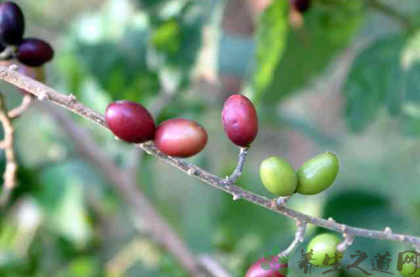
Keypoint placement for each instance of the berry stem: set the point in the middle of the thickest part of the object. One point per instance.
(346, 243)
(243, 152)
(7, 144)
(46, 93)
(299, 239)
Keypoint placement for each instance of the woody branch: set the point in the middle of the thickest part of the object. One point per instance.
(69, 102)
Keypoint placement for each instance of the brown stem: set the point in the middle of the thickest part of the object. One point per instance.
(48, 94)
(9, 176)
(140, 206)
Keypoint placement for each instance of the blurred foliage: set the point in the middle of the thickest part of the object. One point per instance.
(65, 220)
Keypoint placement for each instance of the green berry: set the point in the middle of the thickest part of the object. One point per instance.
(322, 245)
(408, 268)
(317, 174)
(278, 176)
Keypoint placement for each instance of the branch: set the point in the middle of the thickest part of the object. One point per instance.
(140, 206)
(388, 11)
(24, 105)
(48, 94)
(299, 239)
(239, 167)
(9, 177)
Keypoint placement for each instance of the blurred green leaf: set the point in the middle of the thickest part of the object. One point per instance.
(385, 74)
(271, 41)
(327, 29)
(61, 197)
(266, 266)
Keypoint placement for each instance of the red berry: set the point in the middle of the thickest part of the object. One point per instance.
(34, 52)
(12, 23)
(240, 120)
(180, 137)
(301, 5)
(264, 268)
(130, 121)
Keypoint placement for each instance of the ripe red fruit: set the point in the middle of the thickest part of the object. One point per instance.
(12, 23)
(240, 120)
(34, 52)
(130, 121)
(301, 5)
(180, 137)
(264, 268)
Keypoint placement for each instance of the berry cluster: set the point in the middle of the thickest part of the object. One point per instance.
(32, 52)
(179, 137)
(313, 177)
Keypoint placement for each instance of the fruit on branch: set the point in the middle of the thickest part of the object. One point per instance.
(12, 23)
(278, 176)
(321, 246)
(180, 137)
(130, 121)
(240, 120)
(301, 5)
(34, 52)
(36, 73)
(272, 266)
(317, 174)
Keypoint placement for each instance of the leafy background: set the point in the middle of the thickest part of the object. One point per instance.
(345, 80)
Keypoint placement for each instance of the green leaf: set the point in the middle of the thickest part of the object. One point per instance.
(385, 74)
(266, 266)
(327, 30)
(271, 41)
(61, 197)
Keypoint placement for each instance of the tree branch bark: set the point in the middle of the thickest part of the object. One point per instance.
(68, 102)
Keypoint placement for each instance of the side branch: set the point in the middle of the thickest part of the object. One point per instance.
(69, 102)
(9, 177)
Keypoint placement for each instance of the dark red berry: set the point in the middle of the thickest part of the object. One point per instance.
(240, 120)
(12, 23)
(34, 52)
(301, 5)
(180, 137)
(130, 121)
(263, 268)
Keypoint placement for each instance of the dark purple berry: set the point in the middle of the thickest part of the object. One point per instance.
(180, 137)
(263, 268)
(240, 120)
(34, 52)
(130, 121)
(301, 5)
(12, 23)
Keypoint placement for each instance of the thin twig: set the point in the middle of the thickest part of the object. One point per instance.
(281, 201)
(9, 176)
(346, 243)
(141, 207)
(212, 266)
(48, 94)
(390, 12)
(243, 152)
(24, 105)
(299, 239)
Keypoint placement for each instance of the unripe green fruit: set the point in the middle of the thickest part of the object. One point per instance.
(322, 245)
(278, 176)
(317, 174)
(408, 268)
